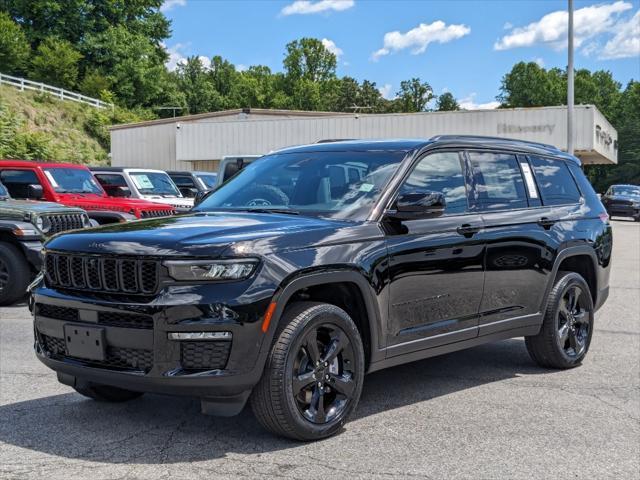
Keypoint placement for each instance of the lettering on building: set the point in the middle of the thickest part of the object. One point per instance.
(513, 128)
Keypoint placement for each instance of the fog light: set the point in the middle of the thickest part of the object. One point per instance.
(200, 336)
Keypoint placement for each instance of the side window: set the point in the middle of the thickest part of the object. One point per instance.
(111, 180)
(557, 186)
(498, 183)
(440, 172)
(583, 182)
(18, 181)
(183, 181)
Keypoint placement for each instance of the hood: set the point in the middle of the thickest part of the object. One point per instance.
(33, 206)
(202, 234)
(90, 201)
(625, 198)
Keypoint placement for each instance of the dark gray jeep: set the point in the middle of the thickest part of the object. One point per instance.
(24, 225)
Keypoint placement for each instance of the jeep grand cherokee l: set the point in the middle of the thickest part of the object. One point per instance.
(320, 263)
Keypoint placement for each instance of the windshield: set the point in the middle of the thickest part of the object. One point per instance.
(627, 191)
(154, 183)
(72, 180)
(342, 185)
(3, 191)
(208, 180)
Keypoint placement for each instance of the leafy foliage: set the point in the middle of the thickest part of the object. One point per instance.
(56, 62)
(447, 102)
(14, 48)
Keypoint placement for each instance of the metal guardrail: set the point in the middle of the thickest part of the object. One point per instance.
(24, 84)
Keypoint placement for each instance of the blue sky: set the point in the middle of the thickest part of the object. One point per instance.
(458, 45)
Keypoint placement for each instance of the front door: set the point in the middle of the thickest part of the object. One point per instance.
(435, 264)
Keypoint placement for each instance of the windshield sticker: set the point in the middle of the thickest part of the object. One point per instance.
(142, 182)
(531, 184)
(366, 187)
(52, 180)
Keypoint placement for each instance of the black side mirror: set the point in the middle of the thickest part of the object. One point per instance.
(189, 192)
(200, 196)
(35, 192)
(418, 204)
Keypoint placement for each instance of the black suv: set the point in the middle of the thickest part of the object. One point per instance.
(320, 263)
(623, 201)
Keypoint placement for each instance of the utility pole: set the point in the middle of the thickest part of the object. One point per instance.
(570, 83)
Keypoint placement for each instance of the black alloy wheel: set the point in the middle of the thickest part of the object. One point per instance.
(574, 322)
(323, 380)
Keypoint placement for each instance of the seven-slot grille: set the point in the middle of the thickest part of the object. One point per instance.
(96, 273)
(156, 213)
(64, 222)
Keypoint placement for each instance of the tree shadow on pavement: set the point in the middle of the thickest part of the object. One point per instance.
(160, 429)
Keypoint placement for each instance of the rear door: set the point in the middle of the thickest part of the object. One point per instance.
(516, 233)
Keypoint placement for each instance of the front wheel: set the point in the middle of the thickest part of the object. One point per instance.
(314, 373)
(565, 336)
(14, 274)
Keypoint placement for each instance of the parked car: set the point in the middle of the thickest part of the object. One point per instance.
(192, 183)
(74, 186)
(229, 166)
(153, 185)
(623, 201)
(286, 285)
(24, 225)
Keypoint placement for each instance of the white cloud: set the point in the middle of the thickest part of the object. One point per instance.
(332, 47)
(552, 28)
(626, 41)
(206, 61)
(386, 90)
(176, 55)
(539, 61)
(469, 103)
(170, 4)
(241, 67)
(508, 26)
(305, 7)
(417, 39)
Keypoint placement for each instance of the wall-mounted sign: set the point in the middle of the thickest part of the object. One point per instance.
(604, 138)
(547, 128)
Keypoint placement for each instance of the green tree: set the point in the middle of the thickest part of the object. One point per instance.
(223, 74)
(56, 62)
(95, 84)
(14, 48)
(309, 59)
(194, 83)
(447, 102)
(414, 95)
(530, 85)
(370, 97)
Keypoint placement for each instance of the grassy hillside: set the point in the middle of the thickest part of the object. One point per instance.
(39, 126)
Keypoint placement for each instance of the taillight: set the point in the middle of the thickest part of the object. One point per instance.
(604, 217)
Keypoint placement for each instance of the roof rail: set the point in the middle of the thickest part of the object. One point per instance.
(481, 137)
(331, 140)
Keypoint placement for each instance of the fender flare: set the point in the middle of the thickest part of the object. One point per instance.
(560, 257)
(312, 279)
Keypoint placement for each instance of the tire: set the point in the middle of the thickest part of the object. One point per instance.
(15, 274)
(565, 336)
(106, 393)
(264, 196)
(311, 412)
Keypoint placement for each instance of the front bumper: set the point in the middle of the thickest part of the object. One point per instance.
(33, 251)
(139, 354)
(623, 211)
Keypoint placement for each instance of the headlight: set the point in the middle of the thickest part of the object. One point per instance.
(85, 221)
(211, 270)
(43, 224)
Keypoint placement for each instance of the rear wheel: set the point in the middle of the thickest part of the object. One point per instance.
(314, 373)
(14, 274)
(106, 393)
(565, 336)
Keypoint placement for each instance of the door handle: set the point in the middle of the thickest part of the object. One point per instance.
(546, 222)
(467, 230)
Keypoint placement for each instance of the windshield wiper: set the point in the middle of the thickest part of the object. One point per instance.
(286, 211)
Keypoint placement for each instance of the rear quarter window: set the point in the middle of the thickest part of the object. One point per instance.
(555, 182)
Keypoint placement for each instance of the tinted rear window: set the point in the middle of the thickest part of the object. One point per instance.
(498, 183)
(583, 182)
(556, 185)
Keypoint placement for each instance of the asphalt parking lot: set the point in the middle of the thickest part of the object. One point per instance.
(488, 412)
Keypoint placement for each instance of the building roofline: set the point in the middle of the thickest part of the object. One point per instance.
(226, 113)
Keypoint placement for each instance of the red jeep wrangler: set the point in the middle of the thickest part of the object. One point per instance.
(74, 186)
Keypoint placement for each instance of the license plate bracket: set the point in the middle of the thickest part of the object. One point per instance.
(85, 342)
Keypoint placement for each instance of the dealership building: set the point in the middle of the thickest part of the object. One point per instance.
(199, 142)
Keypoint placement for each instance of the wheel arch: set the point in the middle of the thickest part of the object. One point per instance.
(574, 259)
(318, 285)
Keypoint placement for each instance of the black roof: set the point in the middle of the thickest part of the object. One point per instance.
(439, 140)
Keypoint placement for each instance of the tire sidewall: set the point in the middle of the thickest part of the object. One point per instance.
(323, 315)
(19, 273)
